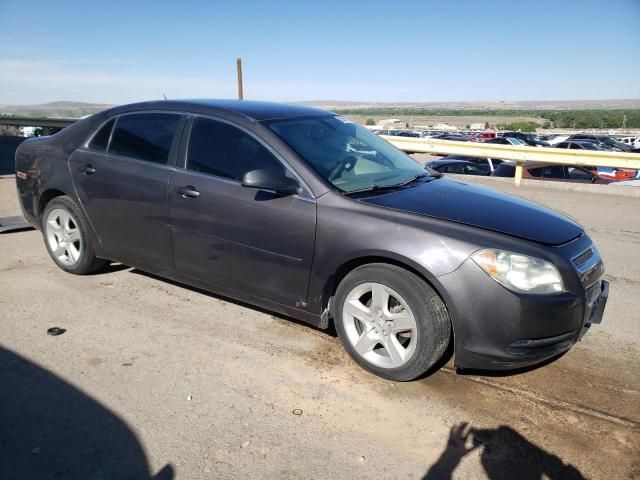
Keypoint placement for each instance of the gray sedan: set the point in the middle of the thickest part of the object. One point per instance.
(305, 213)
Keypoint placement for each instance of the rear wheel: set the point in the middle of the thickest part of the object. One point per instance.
(67, 237)
(391, 321)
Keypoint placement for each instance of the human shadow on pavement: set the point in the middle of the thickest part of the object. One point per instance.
(51, 430)
(505, 455)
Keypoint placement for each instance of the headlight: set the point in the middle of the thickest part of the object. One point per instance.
(520, 273)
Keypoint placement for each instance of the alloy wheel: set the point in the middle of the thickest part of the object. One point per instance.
(379, 325)
(63, 236)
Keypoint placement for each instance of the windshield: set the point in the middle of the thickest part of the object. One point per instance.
(347, 155)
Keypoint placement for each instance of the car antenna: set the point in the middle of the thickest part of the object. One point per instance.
(164, 96)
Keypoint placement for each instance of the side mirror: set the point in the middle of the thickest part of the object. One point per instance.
(271, 179)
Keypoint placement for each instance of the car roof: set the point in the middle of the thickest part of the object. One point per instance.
(254, 110)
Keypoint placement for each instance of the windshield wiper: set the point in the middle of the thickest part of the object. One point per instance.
(376, 188)
(412, 179)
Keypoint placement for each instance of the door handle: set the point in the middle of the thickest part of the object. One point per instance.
(188, 192)
(87, 169)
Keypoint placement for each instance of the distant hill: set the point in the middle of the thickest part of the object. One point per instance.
(54, 109)
(615, 104)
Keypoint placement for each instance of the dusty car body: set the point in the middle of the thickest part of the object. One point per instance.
(293, 246)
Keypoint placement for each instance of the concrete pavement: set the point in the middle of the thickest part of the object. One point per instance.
(154, 379)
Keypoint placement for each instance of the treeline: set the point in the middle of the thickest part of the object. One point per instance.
(629, 118)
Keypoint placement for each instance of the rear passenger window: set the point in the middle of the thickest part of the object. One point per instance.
(100, 140)
(219, 149)
(536, 172)
(145, 136)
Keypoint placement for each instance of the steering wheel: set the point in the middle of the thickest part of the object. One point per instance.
(344, 165)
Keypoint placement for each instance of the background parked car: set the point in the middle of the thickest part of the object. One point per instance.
(404, 133)
(614, 144)
(484, 163)
(583, 145)
(550, 172)
(452, 136)
(506, 141)
(527, 138)
(633, 142)
(553, 139)
(617, 174)
(462, 167)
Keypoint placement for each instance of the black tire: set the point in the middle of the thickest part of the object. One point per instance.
(431, 315)
(87, 261)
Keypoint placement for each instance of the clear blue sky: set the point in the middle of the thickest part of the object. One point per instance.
(119, 51)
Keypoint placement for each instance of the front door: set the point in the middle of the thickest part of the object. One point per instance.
(121, 179)
(249, 240)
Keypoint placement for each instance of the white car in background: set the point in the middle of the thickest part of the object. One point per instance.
(633, 142)
(554, 140)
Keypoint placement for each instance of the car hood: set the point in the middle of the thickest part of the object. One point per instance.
(481, 207)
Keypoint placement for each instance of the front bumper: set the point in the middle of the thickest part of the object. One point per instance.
(495, 328)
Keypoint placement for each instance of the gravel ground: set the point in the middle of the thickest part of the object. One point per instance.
(156, 380)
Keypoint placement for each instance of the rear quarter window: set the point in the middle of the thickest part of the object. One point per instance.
(100, 140)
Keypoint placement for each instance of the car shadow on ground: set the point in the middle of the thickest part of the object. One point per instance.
(512, 372)
(52, 430)
(505, 455)
(329, 331)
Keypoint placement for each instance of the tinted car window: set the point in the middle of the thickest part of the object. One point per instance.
(219, 149)
(505, 170)
(536, 172)
(576, 146)
(100, 140)
(476, 169)
(556, 171)
(145, 136)
(575, 173)
(455, 168)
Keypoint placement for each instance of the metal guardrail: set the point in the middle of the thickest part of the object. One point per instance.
(519, 154)
(36, 121)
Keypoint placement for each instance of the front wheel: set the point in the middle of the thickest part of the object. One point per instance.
(391, 322)
(67, 237)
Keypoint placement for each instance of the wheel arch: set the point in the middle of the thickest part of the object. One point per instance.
(346, 267)
(45, 197)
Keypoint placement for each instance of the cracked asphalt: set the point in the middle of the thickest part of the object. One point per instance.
(157, 380)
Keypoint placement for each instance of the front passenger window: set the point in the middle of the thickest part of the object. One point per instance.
(220, 149)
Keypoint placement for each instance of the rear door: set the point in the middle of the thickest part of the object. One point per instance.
(121, 178)
(245, 239)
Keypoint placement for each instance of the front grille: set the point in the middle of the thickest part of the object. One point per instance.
(581, 259)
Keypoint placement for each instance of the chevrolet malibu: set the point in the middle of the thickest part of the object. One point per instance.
(303, 212)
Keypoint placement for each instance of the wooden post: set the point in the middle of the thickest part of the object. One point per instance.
(239, 64)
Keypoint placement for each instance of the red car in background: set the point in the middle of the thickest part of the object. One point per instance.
(616, 174)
